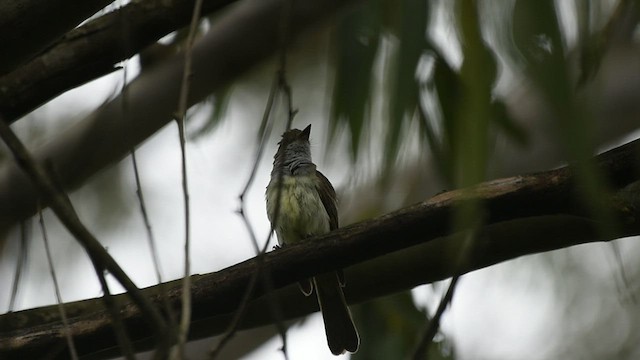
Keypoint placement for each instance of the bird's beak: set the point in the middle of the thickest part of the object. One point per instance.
(305, 133)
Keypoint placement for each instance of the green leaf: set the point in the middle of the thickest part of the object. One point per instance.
(405, 89)
(537, 36)
(471, 134)
(448, 91)
(547, 68)
(388, 327)
(356, 39)
(220, 101)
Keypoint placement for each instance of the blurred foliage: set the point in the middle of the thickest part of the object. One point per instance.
(530, 38)
(471, 125)
(356, 43)
(219, 102)
(460, 101)
(405, 88)
(456, 108)
(538, 36)
(389, 329)
(596, 32)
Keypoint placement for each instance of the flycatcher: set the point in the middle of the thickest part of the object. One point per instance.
(307, 207)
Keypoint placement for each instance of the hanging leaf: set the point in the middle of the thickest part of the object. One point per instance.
(448, 92)
(389, 326)
(536, 26)
(405, 87)
(219, 102)
(478, 74)
(356, 39)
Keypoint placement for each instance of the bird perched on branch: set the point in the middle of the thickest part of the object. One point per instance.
(307, 207)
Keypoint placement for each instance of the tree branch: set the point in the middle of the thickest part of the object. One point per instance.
(398, 251)
(28, 26)
(93, 50)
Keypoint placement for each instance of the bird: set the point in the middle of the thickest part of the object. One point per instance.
(308, 207)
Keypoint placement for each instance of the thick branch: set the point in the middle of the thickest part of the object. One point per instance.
(230, 48)
(28, 26)
(93, 50)
(524, 215)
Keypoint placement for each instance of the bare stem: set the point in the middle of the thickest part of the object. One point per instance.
(22, 260)
(52, 270)
(434, 323)
(185, 319)
(116, 319)
(279, 85)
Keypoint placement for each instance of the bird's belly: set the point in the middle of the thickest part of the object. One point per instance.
(302, 213)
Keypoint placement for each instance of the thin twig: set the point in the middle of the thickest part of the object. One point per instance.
(23, 251)
(267, 283)
(116, 319)
(279, 84)
(237, 316)
(470, 239)
(145, 218)
(284, 86)
(122, 337)
(185, 319)
(63, 313)
(155, 258)
(140, 194)
(162, 348)
(434, 324)
(186, 281)
(264, 133)
(65, 212)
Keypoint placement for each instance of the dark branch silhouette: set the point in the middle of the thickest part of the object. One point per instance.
(93, 50)
(27, 27)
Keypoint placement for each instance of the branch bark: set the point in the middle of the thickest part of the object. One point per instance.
(93, 50)
(400, 250)
(28, 26)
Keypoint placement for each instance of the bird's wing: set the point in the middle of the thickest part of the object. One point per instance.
(328, 197)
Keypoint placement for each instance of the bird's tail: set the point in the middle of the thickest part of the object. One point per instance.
(341, 332)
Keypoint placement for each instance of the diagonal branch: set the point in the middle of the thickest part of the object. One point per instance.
(398, 251)
(93, 50)
(56, 287)
(226, 51)
(27, 26)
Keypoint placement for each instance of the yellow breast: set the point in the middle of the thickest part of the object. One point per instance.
(301, 214)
